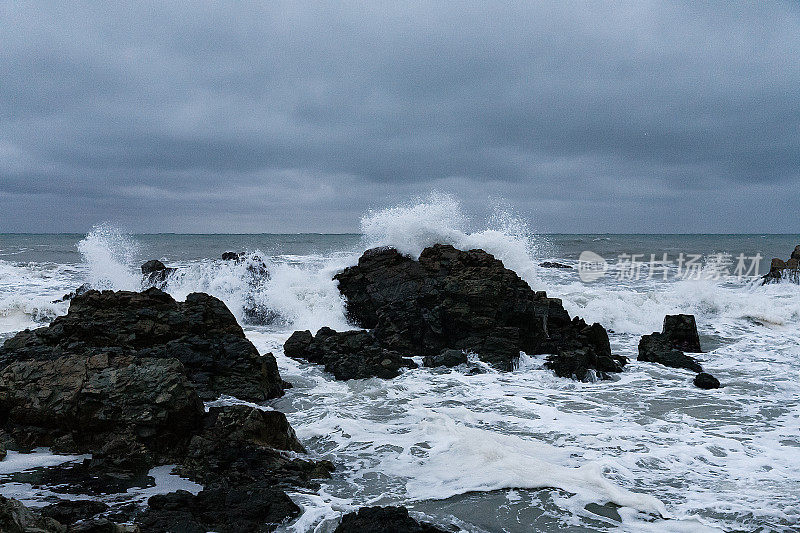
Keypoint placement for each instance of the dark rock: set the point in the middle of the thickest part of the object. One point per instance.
(77, 292)
(353, 354)
(241, 445)
(134, 412)
(155, 273)
(232, 256)
(16, 518)
(681, 330)
(448, 358)
(780, 269)
(553, 264)
(383, 520)
(296, 346)
(255, 507)
(451, 299)
(70, 511)
(201, 333)
(704, 380)
(658, 348)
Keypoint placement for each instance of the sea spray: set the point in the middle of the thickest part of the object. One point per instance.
(110, 256)
(440, 219)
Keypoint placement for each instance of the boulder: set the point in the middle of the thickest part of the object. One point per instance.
(796, 253)
(658, 348)
(780, 269)
(706, 381)
(448, 358)
(462, 300)
(201, 333)
(681, 330)
(256, 507)
(348, 354)
(383, 520)
(16, 518)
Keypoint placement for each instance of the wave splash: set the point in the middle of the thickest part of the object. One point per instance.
(440, 219)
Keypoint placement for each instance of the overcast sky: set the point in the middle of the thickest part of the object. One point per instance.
(282, 117)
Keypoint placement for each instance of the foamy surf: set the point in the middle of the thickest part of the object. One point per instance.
(452, 446)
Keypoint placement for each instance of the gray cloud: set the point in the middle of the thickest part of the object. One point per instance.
(630, 117)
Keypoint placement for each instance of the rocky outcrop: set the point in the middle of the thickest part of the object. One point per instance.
(554, 264)
(232, 256)
(461, 300)
(122, 377)
(383, 520)
(706, 381)
(201, 333)
(784, 270)
(679, 334)
(347, 354)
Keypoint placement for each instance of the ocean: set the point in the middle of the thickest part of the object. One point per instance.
(512, 451)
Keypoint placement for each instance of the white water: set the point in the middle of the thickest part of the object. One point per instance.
(650, 442)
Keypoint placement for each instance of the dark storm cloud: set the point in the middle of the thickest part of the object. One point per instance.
(289, 117)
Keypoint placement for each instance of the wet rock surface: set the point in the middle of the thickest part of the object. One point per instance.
(678, 334)
(347, 354)
(383, 520)
(553, 264)
(256, 507)
(458, 300)
(704, 380)
(122, 377)
(201, 333)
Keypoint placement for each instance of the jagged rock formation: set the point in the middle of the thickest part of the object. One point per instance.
(780, 269)
(462, 300)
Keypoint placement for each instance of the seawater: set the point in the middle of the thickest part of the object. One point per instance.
(516, 451)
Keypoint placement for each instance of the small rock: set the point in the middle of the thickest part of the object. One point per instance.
(704, 380)
(553, 264)
(232, 256)
(70, 511)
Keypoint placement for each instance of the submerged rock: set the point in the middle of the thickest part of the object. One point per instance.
(347, 354)
(201, 333)
(553, 264)
(455, 300)
(383, 520)
(704, 380)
